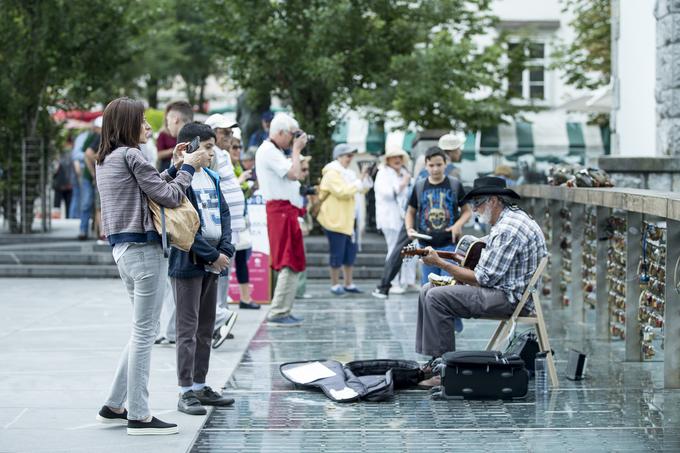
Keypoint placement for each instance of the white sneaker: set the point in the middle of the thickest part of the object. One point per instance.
(223, 332)
(397, 290)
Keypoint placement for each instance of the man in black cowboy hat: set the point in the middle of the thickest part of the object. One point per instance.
(513, 250)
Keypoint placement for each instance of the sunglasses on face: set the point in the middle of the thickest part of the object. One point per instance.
(236, 146)
(477, 202)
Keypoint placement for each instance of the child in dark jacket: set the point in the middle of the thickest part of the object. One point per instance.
(194, 275)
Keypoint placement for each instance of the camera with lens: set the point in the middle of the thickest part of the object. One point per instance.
(310, 137)
(307, 190)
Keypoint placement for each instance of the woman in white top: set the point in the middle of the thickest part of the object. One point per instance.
(392, 188)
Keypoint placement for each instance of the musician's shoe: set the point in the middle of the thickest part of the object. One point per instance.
(458, 325)
(427, 384)
(284, 321)
(379, 293)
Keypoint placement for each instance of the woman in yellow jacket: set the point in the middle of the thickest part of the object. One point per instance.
(338, 191)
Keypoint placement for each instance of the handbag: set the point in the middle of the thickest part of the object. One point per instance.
(177, 226)
(245, 240)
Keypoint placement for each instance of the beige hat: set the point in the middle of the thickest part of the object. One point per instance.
(450, 142)
(394, 151)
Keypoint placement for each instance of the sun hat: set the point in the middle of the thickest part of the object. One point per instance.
(489, 185)
(219, 121)
(450, 142)
(343, 148)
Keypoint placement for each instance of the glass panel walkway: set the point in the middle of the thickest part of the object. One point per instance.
(619, 407)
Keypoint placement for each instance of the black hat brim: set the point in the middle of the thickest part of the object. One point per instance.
(484, 191)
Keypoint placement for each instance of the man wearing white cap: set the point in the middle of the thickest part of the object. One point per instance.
(233, 195)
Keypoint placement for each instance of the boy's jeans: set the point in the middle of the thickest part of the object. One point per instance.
(433, 269)
(144, 271)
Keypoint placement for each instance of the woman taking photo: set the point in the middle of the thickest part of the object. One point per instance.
(126, 181)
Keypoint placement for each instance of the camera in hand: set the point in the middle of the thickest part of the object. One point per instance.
(193, 145)
(310, 137)
(307, 190)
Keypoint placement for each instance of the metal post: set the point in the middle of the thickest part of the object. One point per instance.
(578, 212)
(555, 252)
(633, 254)
(601, 281)
(24, 226)
(671, 365)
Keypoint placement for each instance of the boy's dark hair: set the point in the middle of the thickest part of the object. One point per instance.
(434, 151)
(183, 108)
(191, 130)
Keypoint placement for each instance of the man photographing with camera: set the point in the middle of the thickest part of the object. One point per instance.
(278, 178)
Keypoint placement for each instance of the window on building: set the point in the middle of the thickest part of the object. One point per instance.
(528, 82)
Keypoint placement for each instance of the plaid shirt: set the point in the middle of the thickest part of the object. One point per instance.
(514, 247)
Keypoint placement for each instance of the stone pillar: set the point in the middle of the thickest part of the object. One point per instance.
(668, 77)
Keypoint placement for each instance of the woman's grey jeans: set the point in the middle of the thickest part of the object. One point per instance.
(144, 271)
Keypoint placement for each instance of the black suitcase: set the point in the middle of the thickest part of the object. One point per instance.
(482, 375)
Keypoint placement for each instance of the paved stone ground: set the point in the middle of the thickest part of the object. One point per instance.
(620, 407)
(61, 340)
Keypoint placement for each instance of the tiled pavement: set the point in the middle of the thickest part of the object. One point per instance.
(619, 407)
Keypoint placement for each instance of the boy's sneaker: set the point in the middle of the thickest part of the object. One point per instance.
(154, 427)
(189, 404)
(108, 417)
(221, 334)
(284, 321)
(352, 289)
(398, 290)
(379, 293)
(337, 290)
(209, 397)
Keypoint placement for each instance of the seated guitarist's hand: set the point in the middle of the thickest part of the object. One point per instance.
(432, 259)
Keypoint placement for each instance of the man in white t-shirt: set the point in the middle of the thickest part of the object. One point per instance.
(278, 178)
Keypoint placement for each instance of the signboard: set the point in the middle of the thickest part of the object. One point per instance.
(258, 264)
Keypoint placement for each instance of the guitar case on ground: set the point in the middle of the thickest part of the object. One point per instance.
(369, 380)
(481, 375)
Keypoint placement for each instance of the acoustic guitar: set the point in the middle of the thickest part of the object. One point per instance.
(467, 254)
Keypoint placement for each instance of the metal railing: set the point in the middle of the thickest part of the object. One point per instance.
(617, 251)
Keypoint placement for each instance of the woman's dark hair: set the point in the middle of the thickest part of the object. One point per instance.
(122, 126)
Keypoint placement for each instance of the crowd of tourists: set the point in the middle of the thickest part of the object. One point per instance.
(179, 293)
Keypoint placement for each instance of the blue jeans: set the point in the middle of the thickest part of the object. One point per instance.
(427, 270)
(144, 272)
(86, 204)
(74, 208)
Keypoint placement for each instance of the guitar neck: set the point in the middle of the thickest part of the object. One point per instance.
(444, 255)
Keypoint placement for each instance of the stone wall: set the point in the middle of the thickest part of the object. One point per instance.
(668, 77)
(654, 173)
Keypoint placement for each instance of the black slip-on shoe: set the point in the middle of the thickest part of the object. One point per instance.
(189, 404)
(154, 427)
(209, 397)
(249, 305)
(108, 417)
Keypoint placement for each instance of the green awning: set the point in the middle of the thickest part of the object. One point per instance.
(375, 139)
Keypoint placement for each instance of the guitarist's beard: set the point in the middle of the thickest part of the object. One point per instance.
(484, 217)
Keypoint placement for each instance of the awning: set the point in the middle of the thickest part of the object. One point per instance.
(548, 139)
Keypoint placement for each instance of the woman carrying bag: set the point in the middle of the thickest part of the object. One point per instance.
(126, 183)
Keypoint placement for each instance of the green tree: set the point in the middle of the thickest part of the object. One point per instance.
(586, 60)
(322, 56)
(57, 53)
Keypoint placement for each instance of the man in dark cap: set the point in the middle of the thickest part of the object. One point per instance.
(262, 134)
(513, 250)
